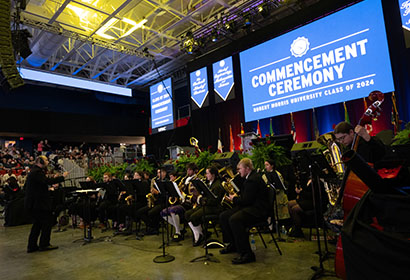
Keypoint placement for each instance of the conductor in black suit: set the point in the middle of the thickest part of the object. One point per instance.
(38, 202)
(248, 208)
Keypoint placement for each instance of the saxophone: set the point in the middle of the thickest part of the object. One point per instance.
(150, 197)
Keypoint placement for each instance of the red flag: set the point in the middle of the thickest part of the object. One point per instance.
(240, 138)
(259, 130)
(231, 143)
(292, 128)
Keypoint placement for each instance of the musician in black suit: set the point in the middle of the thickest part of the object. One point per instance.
(212, 205)
(370, 148)
(250, 207)
(107, 202)
(150, 214)
(38, 203)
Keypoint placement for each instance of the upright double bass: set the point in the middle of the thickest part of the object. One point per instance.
(352, 188)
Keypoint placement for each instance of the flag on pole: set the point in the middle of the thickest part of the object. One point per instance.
(231, 143)
(395, 119)
(365, 103)
(220, 147)
(240, 138)
(347, 119)
(315, 126)
(292, 128)
(271, 128)
(259, 130)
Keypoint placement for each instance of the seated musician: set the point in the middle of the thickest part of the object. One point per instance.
(150, 213)
(194, 216)
(248, 208)
(370, 148)
(302, 204)
(274, 179)
(124, 205)
(173, 213)
(108, 201)
(141, 189)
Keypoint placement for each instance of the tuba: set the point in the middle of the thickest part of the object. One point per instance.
(334, 157)
(229, 187)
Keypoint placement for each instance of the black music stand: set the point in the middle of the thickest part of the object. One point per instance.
(165, 188)
(275, 206)
(128, 186)
(86, 193)
(206, 193)
(319, 168)
(170, 191)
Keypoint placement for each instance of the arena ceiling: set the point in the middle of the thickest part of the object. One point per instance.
(122, 42)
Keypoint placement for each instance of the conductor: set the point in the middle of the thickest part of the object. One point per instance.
(38, 203)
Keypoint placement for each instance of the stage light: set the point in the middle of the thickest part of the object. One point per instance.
(247, 22)
(20, 42)
(214, 36)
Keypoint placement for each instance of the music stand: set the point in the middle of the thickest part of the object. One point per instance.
(165, 188)
(206, 193)
(128, 186)
(319, 168)
(86, 193)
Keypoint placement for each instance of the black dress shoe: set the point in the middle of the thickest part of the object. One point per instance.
(32, 250)
(199, 241)
(48, 248)
(228, 249)
(296, 232)
(177, 237)
(244, 258)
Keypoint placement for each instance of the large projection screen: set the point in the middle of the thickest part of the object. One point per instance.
(162, 113)
(341, 57)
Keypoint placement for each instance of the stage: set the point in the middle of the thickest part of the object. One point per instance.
(123, 257)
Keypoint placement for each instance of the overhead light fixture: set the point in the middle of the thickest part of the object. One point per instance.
(214, 36)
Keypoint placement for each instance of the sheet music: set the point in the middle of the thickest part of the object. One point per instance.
(177, 189)
(156, 186)
(235, 186)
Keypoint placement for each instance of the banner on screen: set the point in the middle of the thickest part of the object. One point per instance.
(341, 57)
(199, 87)
(405, 13)
(162, 115)
(223, 79)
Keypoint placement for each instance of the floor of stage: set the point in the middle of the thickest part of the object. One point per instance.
(124, 257)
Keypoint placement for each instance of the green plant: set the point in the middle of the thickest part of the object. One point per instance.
(403, 137)
(182, 161)
(116, 170)
(204, 159)
(269, 150)
(143, 165)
